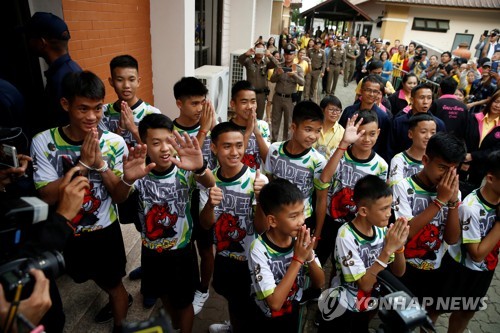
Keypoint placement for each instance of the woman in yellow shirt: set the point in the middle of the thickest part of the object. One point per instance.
(332, 132)
(397, 60)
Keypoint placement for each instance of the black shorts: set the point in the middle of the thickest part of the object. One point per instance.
(203, 237)
(232, 280)
(98, 256)
(286, 323)
(424, 283)
(170, 274)
(326, 244)
(466, 287)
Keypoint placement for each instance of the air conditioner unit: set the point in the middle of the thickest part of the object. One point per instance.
(216, 79)
(236, 71)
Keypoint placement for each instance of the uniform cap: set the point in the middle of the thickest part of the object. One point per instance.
(488, 63)
(289, 49)
(46, 25)
(379, 40)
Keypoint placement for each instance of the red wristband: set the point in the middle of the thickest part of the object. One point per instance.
(342, 148)
(203, 131)
(298, 260)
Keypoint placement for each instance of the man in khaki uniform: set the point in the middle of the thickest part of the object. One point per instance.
(317, 63)
(352, 52)
(286, 77)
(336, 62)
(378, 49)
(256, 68)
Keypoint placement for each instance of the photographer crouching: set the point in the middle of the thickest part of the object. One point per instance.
(29, 298)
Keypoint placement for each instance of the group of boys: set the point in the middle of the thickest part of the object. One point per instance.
(198, 181)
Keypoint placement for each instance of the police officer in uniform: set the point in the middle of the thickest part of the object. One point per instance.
(257, 61)
(317, 64)
(378, 49)
(286, 77)
(336, 62)
(352, 52)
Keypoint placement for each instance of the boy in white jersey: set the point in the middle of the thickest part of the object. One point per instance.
(244, 104)
(407, 163)
(281, 257)
(232, 214)
(297, 161)
(429, 199)
(164, 188)
(96, 251)
(364, 247)
(123, 116)
(353, 159)
(472, 261)
(197, 118)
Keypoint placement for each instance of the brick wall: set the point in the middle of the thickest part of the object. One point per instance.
(103, 29)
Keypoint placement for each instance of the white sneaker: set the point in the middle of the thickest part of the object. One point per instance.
(221, 328)
(199, 300)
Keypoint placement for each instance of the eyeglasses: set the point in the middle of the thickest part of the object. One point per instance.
(334, 110)
(371, 91)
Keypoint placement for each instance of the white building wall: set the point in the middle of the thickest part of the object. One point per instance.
(474, 21)
(263, 14)
(226, 36)
(374, 10)
(242, 26)
(172, 23)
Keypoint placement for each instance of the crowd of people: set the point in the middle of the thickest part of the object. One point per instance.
(408, 176)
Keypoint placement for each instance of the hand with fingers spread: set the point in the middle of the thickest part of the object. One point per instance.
(215, 196)
(397, 234)
(352, 133)
(71, 193)
(188, 150)
(304, 244)
(134, 165)
(447, 188)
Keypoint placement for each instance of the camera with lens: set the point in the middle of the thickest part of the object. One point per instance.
(17, 219)
(417, 56)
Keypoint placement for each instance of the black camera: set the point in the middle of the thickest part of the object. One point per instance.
(417, 57)
(16, 272)
(17, 217)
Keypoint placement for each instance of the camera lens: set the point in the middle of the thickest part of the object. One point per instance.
(50, 262)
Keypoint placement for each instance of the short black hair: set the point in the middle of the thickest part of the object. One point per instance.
(368, 116)
(84, 84)
(373, 78)
(123, 61)
(307, 110)
(370, 188)
(154, 121)
(446, 146)
(420, 86)
(330, 100)
(446, 52)
(418, 117)
(493, 163)
(376, 64)
(189, 87)
(448, 86)
(222, 128)
(414, 44)
(278, 193)
(239, 86)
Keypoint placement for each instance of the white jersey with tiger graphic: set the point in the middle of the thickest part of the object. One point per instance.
(403, 166)
(54, 154)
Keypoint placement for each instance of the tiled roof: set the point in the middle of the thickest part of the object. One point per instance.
(484, 4)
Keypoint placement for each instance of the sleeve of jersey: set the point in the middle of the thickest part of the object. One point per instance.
(396, 170)
(268, 166)
(353, 267)
(401, 202)
(118, 149)
(470, 225)
(264, 131)
(262, 276)
(319, 165)
(382, 172)
(104, 122)
(43, 171)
